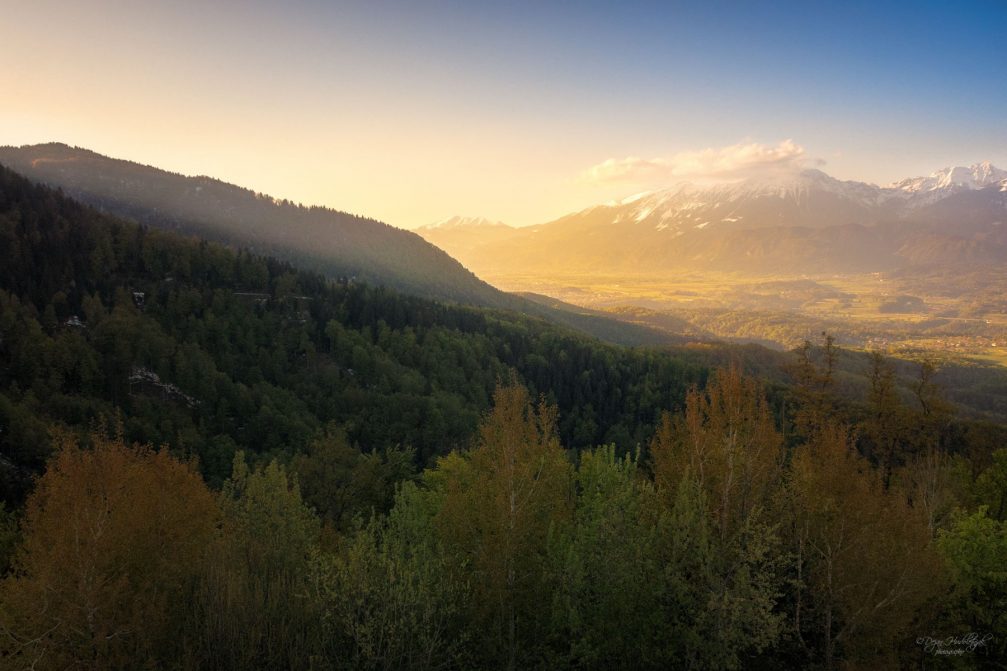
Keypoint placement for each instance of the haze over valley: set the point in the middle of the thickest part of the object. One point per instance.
(424, 336)
(913, 266)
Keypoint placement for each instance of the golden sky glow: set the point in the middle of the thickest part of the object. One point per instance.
(411, 116)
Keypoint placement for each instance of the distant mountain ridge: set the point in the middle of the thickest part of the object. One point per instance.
(464, 234)
(803, 222)
(957, 178)
(323, 239)
(460, 222)
(807, 222)
(334, 243)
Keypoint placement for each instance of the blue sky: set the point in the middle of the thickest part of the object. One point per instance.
(411, 112)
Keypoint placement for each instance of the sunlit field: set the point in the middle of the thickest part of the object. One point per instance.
(961, 317)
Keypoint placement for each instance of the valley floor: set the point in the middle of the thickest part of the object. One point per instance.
(961, 316)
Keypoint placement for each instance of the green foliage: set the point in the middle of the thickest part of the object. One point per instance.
(265, 505)
(501, 502)
(252, 607)
(205, 350)
(722, 591)
(975, 547)
(606, 611)
(340, 482)
(392, 597)
(991, 486)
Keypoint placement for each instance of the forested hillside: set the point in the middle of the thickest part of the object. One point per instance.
(335, 244)
(723, 549)
(205, 349)
(352, 478)
(330, 241)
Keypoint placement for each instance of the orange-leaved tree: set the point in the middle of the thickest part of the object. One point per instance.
(113, 538)
(728, 442)
(866, 556)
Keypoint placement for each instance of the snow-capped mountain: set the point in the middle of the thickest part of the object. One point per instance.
(808, 198)
(958, 178)
(805, 221)
(463, 222)
(463, 234)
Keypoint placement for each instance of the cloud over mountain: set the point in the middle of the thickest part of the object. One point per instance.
(733, 162)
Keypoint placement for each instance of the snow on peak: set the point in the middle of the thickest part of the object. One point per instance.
(464, 222)
(635, 197)
(956, 178)
(789, 196)
(692, 207)
(986, 173)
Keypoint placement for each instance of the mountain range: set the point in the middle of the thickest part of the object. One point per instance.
(334, 243)
(330, 241)
(804, 222)
(463, 235)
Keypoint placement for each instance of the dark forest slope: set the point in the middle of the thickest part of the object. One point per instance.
(206, 349)
(336, 244)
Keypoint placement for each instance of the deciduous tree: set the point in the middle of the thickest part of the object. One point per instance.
(497, 513)
(114, 539)
(869, 562)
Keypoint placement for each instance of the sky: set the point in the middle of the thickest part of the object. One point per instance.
(416, 111)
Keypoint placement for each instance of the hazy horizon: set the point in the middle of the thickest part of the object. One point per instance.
(412, 114)
(755, 422)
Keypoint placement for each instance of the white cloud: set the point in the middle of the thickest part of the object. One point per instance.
(714, 164)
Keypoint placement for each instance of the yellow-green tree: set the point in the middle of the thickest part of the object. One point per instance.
(114, 538)
(390, 598)
(251, 608)
(975, 546)
(728, 442)
(499, 504)
(716, 468)
(607, 608)
(866, 557)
